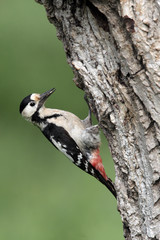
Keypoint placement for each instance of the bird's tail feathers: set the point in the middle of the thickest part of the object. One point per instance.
(100, 173)
(110, 185)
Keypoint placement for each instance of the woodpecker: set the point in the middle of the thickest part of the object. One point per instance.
(76, 138)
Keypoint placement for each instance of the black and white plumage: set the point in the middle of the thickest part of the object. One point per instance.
(76, 138)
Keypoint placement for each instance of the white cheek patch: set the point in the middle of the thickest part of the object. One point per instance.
(28, 111)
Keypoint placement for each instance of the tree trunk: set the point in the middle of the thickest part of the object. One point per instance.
(113, 47)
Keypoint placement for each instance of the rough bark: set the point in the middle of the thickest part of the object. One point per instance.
(113, 47)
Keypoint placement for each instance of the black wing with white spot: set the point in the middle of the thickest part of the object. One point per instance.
(60, 138)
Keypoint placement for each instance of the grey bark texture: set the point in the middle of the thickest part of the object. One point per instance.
(113, 48)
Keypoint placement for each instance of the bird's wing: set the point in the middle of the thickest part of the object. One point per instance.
(60, 138)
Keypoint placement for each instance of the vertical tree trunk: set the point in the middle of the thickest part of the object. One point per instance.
(113, 47)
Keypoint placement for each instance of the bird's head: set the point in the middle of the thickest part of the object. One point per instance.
(33, 103)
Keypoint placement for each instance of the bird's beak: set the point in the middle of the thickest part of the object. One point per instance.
(44, 96)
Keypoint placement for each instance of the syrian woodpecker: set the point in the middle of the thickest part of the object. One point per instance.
(76, 138)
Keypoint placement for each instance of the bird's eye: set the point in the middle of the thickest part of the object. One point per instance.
(32, 104)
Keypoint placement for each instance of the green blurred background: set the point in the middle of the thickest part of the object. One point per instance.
(43, 195)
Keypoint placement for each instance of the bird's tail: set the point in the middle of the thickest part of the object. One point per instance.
(109, 184)
(96, 162)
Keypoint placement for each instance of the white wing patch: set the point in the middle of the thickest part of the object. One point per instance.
(80, 156)
(61, 148)
(42, 125)
(86, 166)
(92, 171)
